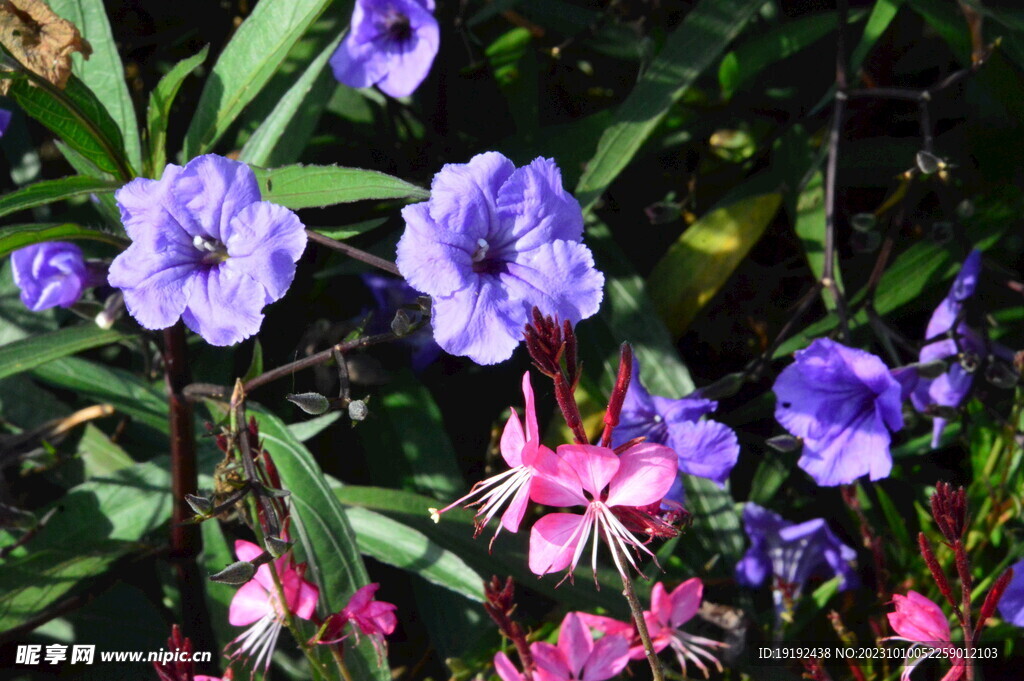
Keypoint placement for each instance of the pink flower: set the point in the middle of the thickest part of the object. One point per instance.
(257, 603)
(375, 619)
(669, 612)
(921, 622)
(525, 456)
(506, 670)
(577, 655)
(600, 480)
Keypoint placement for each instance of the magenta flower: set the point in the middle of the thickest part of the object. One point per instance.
(921, 622)
(1011, 605)
(493, 242)
(257, 603)
(704, 448)
(669, 612)
(600, 480)
(372, 618)
(390, 44)
(842, 402)
(52, 274)
(205, 249)
(578, 656)
(525, 456)
(505, 669)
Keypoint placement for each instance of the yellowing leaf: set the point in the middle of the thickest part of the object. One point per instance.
(40, 40)
(703, 258)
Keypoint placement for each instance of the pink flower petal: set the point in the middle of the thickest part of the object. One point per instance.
(556, 483)
(609, 657)
(550, 661)
(685, 601)
(532, 431)
(250, 603)
(595, 466)
(553, 542)
(246, 550)
(513, 515)
(646, 472)
(513, 441)
(575, 643)
(506, 670)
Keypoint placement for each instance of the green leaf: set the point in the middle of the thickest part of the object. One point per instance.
(514, 65)
(100, 455)
(349, 231)
(321, 527)
(277, 129)
(810, 227)
(688, 51)
(50, 191)
(705, 255)
(307, 430)
(246, 64)
(29, 353)
(391, 542)
(881, 16)
(77, 117)
(301, 186)
(103, 71)
(897, 522)
(14, 237)
(159, 110)
(406, 421)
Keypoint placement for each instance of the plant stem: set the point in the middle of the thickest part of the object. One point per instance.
(638, 619)
(313, 360)
(353, 252)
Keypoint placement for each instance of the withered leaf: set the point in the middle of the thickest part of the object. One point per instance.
(40, 40)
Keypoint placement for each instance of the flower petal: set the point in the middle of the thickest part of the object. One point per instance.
(575, 643)
(609, 657)
(463, 196)
(550, 662)
(409, 61)
(595, 466)
(685, 601)
(250, 603)
(432, 258)
(164, 291)
(224, 307)
(645, 474)
(707, 449)
(558, 278)
(505, 669)
(475, 322)
(151, 212)
(553, 541)
(556, 483)
(535, 209)
(264, 241)
(213, 189)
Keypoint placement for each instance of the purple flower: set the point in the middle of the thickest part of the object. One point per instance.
(391, 44)
(704, 448)
(5, 120)
(792, 552)
(51, 274)
(843, 402)
(493, 242)
(391, 294)
(1011, 604)
(950, 388)
(205, 249)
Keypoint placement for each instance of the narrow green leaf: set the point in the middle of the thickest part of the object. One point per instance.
(29, 353)
(159, 110)
(514, 65)
(404, 547)
(349, 231)
(810, 227)
(688, 51)
(259, 149)
(896, 521)
(878, 21)
(100, 455)
(307, 430)
(14, 237)
(301, 186)
(103, 71)
(78, 118)
(50, 191)
(704, 257)
(321, 527)
(246, 64)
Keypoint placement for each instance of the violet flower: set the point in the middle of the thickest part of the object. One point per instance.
(390, 294)
(950, 389)
(51, 274)
(1011, 604)
(257, 603)
(792, 553)
(390, 44)
(492, 242)
(5, 120)
(920, 621)
(704, 448)
(205, 249)
(600, 480)
(842, 402)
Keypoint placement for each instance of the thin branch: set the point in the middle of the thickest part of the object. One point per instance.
(354, 253)
(315, 359)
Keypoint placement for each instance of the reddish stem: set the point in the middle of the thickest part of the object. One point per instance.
(618, 396)
(989, 606)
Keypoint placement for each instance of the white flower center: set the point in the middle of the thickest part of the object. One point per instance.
(481, 250)
(205, 244)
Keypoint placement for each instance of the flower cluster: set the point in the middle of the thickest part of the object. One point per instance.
(577, 655)
(493, 242)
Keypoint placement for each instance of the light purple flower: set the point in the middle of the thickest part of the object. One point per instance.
(205, 249)
(950, 388)
(390, 294)
(792, 552)
(704, 448)
(390, 44)
(51, 274)
(1011, 604)
(492, 242)
(842, 402)
(5, 120)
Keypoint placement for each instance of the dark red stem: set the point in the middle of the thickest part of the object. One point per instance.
(499, 602)
(618, 396)
(937, 574)
(991, 600)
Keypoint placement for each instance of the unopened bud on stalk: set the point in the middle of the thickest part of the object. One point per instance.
(235, 574)
(357, 410)
(1000, 375)
(311, 403)
(201, 505)
(928, 163)
(783, 443)
(401, 324)
(276, 546)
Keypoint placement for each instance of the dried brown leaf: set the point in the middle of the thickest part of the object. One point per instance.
(40, 40)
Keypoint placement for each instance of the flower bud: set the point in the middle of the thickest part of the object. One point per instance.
(113, 308)
(201, 505)
(784, 443)
(235, 574)
(928, 163)
(357, 410)
(276, 546)
(401, 324)
(311, 403)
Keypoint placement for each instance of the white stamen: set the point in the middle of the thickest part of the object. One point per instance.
(657, 418)
(202, 243)
(481, 250)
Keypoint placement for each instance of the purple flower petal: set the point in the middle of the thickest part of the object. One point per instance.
(224, 306)
(214, 189)
(432, 259)
(5, 120)
(535, 209)
(464, 196)
(1011, 604)
(707, 449)
(559, 278)
(49, 274)
(476, 322)
(264, 241)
